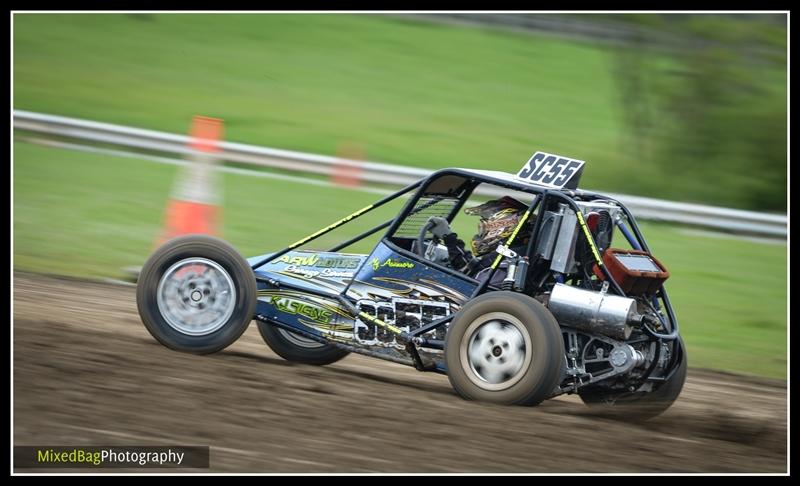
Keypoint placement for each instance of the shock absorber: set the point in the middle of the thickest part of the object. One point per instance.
(605, 227)
(508, 282)
(521, 274)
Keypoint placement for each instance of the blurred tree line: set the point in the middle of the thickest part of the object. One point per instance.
(704, 98)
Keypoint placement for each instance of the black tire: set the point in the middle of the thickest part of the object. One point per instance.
(227, 270)
(638, 405)
(504, 314)
(296, 348)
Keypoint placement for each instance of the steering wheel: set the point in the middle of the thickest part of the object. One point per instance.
(421, 239)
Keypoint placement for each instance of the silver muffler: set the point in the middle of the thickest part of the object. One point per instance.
(597, 312)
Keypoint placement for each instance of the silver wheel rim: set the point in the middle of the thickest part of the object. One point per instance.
(196, 296)
(299, 340)
(496, 351)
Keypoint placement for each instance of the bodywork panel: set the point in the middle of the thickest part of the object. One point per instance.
(395, 288)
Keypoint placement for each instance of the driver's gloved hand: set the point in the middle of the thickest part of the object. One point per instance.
(439, 227)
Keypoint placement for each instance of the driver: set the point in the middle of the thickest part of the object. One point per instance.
(499, 217)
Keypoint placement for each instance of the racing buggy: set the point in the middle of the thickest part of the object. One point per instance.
(569, 299)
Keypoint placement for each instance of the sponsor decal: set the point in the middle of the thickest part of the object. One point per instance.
(552, 170)
(308, 273)
(295, 307)
(317, 261)
(376, 263)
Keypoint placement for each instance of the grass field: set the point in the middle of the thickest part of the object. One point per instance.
(90, 215)
(405, 91)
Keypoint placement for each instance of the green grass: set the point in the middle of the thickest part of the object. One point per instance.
(730, 298)
(407, 92)
(89, 215)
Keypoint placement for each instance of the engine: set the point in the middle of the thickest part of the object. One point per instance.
(603, 332)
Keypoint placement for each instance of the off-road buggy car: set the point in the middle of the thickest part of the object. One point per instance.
(569, 312)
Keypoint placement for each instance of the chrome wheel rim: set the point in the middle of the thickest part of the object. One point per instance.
(196, 296)
(496, 351)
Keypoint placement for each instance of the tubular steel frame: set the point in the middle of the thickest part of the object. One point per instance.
(542, 196)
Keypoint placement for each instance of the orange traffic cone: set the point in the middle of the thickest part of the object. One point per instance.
(347, 171)
(194, 203)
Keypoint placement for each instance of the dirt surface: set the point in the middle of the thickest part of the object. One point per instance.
(86, 372)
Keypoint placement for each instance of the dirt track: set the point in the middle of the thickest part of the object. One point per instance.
(87, 372)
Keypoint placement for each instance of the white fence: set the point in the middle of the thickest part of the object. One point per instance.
(732, 220)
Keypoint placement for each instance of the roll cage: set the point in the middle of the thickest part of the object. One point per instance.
(456, 186)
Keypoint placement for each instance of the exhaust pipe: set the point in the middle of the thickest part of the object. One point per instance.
(596, 312)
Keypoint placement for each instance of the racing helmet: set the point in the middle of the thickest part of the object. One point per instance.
(499, 217)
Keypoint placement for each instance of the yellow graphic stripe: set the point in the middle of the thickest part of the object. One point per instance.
(330, 227)
(379, 322)
(589, 238)
(328, 328)
(397, 281)
(511, 238)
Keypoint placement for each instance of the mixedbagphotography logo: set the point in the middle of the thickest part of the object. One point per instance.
(111, 456)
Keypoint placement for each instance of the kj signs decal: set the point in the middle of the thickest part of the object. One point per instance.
(550, 170)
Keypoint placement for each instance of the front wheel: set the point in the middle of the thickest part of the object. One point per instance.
(294, 347)
(196, 294)
(504, 347)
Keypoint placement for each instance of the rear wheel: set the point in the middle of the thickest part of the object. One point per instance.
(196, 294)
(504, 347)
(638, 405)
(297, 348)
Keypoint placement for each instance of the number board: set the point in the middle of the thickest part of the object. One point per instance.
(552, 170)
